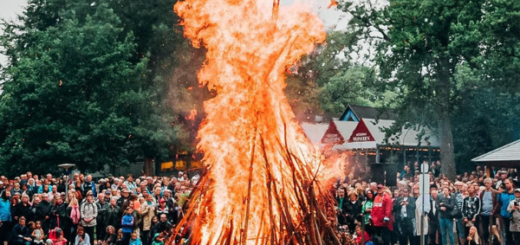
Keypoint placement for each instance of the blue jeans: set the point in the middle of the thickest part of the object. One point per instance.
(461, 229)
(446, 227)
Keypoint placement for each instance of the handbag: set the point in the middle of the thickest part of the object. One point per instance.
(456, 213)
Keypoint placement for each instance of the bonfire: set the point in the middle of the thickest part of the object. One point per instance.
(263, 183)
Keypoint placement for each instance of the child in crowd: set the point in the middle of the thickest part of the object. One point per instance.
(60, 239)
(37, 233)
(134, 240)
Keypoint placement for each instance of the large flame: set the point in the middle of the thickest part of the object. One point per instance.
(261, 166)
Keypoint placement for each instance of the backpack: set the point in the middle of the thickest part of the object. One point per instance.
(52, 234)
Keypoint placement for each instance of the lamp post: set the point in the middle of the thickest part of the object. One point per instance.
(67, 166)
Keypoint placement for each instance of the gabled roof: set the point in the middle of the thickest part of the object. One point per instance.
(507, 153)
(408, 137)
(314, 131)
(369, 113)
(338, 132)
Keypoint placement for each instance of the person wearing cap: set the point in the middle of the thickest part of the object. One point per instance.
(89, 213)
(502, 174)
(504, 199)
(162, 208)
(514, 209)
(381, 214)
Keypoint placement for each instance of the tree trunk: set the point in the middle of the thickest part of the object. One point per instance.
(447, 151)
(443, 104)
(148, 166)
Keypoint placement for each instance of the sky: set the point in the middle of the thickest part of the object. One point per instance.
(332, 19)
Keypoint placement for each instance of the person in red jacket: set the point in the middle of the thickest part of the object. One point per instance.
(359, 236)
(381, 217)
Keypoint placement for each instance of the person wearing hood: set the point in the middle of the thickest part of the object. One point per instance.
(514, 209)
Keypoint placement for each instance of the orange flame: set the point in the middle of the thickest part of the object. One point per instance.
(250, 134)
(333, 3)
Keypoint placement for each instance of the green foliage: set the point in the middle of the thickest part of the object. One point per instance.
(348, 87)
(71, 94)
(446, 60)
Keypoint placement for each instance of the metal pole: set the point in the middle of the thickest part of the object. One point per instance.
(363, 229)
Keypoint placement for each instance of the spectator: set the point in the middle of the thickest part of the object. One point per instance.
(127, 225)
(44, 212)
(82, 238)
(60, 216)
(459, 198)
(147, 212)
(89, 185)
(381, 214)
(101, 217)
(130, 184)
(23, 208)
(89, 213)
(473, 238)
(341, 202)
(111, 236)
(134, 240)
(75, 217)
(514, 209)
(5, 216)
(471, 209)
(504, 199)
(352, 211)
(446, 204)
(113, 213)
(360, 235)
(38, 234)
(20, 234)
(404, 211)
(488, 197)
(60, 238)
(433, 217)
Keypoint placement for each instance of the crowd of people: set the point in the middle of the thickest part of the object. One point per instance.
(114, 211)
(480, 210)
(143, 211)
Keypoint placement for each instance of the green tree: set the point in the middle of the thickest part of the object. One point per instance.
(419, 45)
(71, 93)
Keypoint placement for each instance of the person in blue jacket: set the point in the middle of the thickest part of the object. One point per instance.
(127, 225)
(503, 200)
(5, 216)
